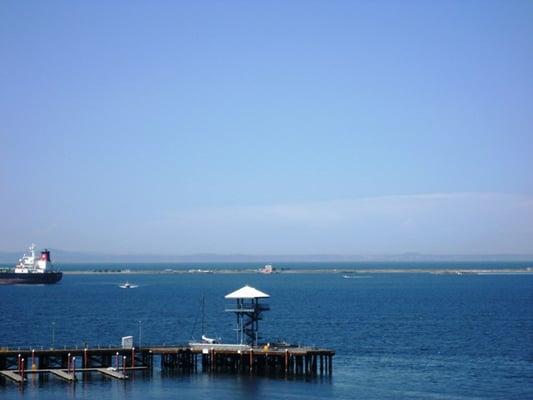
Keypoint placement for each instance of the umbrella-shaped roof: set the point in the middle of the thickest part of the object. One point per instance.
(246, 292)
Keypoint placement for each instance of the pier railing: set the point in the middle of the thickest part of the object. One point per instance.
(117, 362)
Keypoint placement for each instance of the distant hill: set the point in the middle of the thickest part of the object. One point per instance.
(61, 256)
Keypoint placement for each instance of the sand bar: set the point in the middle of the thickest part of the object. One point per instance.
(343, 271)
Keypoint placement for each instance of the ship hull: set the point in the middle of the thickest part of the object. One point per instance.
(12, 278)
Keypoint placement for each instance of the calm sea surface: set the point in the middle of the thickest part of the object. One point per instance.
(416, 336)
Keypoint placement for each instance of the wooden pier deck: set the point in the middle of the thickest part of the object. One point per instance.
(116, 362)
(62, 374)
(112, 373)
(13, 376)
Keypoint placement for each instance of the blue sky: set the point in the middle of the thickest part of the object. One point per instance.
(267, 127)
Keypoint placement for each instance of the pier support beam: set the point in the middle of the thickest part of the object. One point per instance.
(264, 360)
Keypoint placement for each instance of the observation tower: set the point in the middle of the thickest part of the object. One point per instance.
(248, 311)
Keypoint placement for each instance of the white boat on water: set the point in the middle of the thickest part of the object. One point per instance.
(128, 285)
(355, 276)
(207, 344)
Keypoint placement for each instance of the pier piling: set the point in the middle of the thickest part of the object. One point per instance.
(283, 361)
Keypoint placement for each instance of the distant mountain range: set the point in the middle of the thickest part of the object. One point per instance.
(61, 256)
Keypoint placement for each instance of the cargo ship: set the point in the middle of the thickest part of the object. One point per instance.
(31, 270)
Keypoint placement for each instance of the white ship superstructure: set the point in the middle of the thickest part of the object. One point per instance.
(29, 264)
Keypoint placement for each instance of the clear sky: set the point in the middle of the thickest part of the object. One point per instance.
(347, 127)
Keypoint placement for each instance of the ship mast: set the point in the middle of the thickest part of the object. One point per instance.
(32, 250)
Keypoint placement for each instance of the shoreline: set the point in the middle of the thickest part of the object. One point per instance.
(344, 271)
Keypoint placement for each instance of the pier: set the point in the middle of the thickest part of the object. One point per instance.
(247, 356)
(118, 363)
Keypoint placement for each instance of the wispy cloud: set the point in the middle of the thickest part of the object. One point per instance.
(435, 223)
(468, 223)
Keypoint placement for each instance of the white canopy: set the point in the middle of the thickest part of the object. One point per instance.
(246, 292)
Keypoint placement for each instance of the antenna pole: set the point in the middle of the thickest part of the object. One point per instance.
(203, 315)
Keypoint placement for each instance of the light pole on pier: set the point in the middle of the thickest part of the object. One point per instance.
(140, 333)
(53, 334)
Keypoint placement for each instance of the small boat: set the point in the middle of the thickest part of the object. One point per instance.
(207, 340)
(128, 285)
(354, 275)
(207, 343)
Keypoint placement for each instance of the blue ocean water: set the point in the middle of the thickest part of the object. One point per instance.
(415, 336)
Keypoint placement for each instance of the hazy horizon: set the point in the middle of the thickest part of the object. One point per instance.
(278, 128)
(77, 257)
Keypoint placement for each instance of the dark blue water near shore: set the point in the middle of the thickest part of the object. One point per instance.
(396, 335)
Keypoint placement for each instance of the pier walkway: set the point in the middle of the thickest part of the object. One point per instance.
(116, 362)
